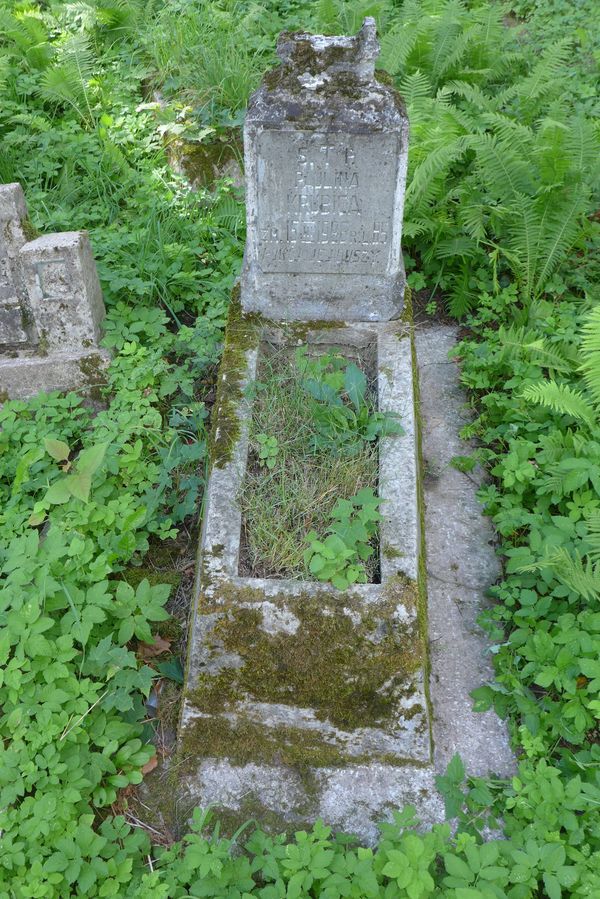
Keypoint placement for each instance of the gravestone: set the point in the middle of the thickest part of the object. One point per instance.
(326, 145)
(51, 307)
(303, 701)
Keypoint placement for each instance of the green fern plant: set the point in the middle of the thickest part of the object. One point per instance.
(499, 170)
(581, 576)
(582, 405)
(66, 83)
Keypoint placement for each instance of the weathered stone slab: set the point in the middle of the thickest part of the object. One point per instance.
(64, 290)
(289, 676)
(461, 565)
(26, 373)
(51, 308)
(258, 738)
(15, 323)
(326, 152)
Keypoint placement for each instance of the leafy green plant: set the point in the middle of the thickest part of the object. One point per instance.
(268, 449)
(339, 557)
(342, 412)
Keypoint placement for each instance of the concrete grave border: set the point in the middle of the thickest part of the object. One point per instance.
(355, 795)
(401, 757)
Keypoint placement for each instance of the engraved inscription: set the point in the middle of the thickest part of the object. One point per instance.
(325, 202)
(51, 291)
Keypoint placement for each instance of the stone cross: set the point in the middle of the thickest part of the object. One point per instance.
(326, 144)
(51, 307)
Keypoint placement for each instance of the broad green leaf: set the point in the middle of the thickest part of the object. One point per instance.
(90, 459)
(58, 449)
(59, 492)
(79, 485)
(355, 385)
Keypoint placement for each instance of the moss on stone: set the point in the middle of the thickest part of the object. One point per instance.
(422, 575)
(203, 162)
(93, 369)
(135, 576)
(390, 552)
(241, 334)
(252, 814)
(346, 664)
(29, 229)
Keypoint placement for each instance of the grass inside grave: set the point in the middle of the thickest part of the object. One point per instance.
(294, 493)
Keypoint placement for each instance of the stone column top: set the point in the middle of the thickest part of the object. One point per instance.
(12, 203)
(328, 84)
(316, 54)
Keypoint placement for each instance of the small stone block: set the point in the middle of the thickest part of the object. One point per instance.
(12, 330)
(27, 374)
(12, 203)
(64, 290)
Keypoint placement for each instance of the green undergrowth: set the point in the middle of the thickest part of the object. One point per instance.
(500, 218)
(294, 491)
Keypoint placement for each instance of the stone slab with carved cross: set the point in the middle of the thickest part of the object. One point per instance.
(51, 307)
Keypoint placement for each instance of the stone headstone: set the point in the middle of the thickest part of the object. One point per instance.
(51, 307)
(326, 144)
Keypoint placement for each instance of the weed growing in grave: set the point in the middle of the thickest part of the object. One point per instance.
(340, 557)
(340, 404)
(268, 448)
(313, 445)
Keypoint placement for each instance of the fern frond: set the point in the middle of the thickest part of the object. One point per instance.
(398, 44)
(327, 15)
(433, 165)
(510, 131)
(593, 535)
(473, 94)
(542, 79)
(560, 398)
(67, 81)
(460, 245)
(581, 577)
(582, 145)
(446, 35)
(559, 225)
(590, 353)
(471, 218)
(518, 342)
(415, 88)
(461, 43)
(505, 174)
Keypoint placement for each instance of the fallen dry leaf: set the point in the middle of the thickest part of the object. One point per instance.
(150, 650)
(150, 765)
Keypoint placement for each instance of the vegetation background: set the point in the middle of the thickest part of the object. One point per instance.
(99, 103)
